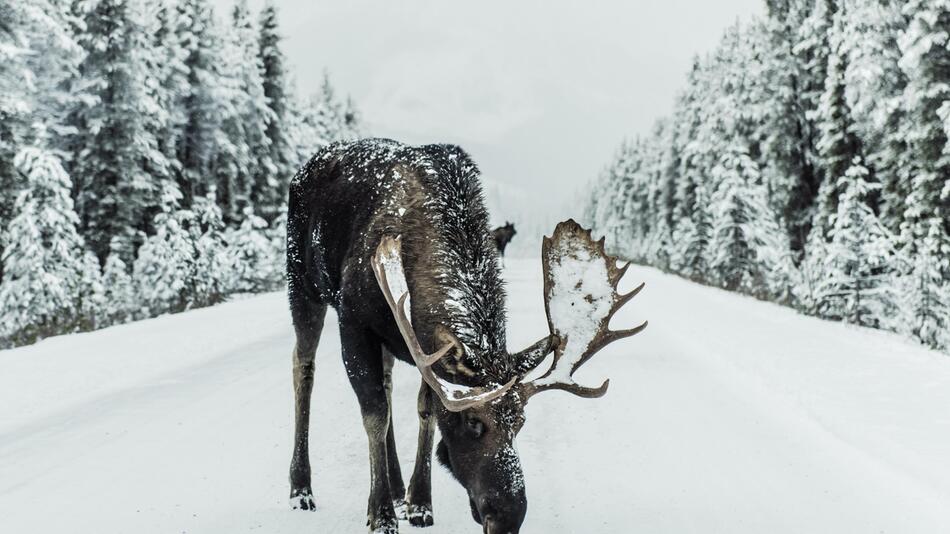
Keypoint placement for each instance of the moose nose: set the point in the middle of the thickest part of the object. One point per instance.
(494, 526)
(501, 514)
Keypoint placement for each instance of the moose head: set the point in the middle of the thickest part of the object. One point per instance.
(480, 416)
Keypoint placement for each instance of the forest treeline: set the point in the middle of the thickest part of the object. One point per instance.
(807, 163)
(145, 152)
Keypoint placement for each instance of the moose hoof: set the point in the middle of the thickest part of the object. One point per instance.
(399, 506)
(384, 526)
(420, 515)
(302, 499)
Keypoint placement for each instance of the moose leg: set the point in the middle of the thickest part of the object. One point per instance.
(308, 324)
(362, 356)
(420, 486)
(396, 485)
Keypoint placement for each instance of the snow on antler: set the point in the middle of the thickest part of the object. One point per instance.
(580, 298)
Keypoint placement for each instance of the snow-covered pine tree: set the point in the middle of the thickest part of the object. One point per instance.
(837, 144)
(746, 244)
(627, 220)
(814, 48)
(789, 78)
(874, 85)
(857, 285)
(687, 117)
(114, 149)
(90, 293)
(38, 60)
(256, 263)
(324, 118)
(691, 237)
(213, 264)
(166, 84)
(926, 61)
(245, 159)
(13, 108)
(269, 191)
(164, 269)
(232, 162)
(44, 264)
(926, 290)
(120, 302)
(691, 194)
(809, 281)
(327, 112)
(730, 256)
(659, 188)
(171, 86)
(196, 34)
(257, 111)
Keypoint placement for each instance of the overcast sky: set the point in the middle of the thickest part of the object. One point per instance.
(539, 92)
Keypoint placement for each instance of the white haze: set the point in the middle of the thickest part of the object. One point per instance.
(539, 92)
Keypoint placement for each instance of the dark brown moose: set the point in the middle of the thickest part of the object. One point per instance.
(396, 239)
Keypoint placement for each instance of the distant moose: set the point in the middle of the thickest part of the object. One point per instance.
(503, 235)
(396, 239)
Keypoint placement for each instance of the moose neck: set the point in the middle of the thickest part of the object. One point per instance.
(453, 268)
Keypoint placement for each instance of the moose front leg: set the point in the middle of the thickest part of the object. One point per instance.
(363, 359)
(420, 487)
(308, 323)
(396, 485)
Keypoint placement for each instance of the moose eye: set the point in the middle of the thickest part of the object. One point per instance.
(474, 427)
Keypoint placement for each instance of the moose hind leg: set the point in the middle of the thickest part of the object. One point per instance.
(362, 357)
(308, 324)
(419, 507)
(396, 485)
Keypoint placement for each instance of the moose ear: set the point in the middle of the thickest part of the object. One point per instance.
(532, 356)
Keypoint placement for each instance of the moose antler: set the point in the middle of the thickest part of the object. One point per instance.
(580, 298)
(387, 265)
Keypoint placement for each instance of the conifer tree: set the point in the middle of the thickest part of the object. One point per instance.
(213, 263)
(857, 282)
(164, 269)
(926, 61)
(253, 255)
(170, 87)
(837, 145)
(245, 157)
(90, 294)
(926, 296)
(38, 61)
(119, 297)
(44, 265)
(201, 103)
(114, 151)
(269, 190)
(690, 240)
(743, 247)
(874, 85)
(793, 76)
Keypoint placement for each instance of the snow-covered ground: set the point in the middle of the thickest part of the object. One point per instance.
(726, 415)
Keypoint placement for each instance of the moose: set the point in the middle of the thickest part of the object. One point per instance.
(396, 239)
(503, 235)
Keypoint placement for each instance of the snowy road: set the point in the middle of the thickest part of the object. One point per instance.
(727, 415)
